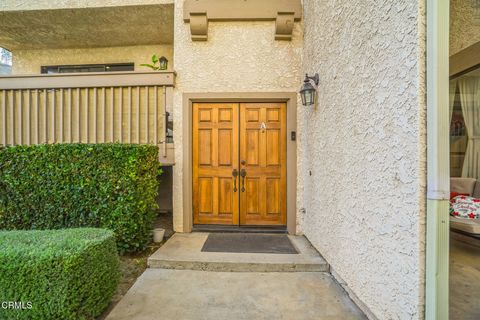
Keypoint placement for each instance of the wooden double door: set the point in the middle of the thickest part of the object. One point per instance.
(239, 164)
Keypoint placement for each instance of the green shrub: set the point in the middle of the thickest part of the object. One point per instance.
(55, 186)
(57, 274)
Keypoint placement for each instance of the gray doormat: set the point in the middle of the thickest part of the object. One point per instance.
(248, 243)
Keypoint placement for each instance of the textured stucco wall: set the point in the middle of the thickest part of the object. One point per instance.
(238, 57)
(464, 24)
(61, 4)
(30, 61)
(362, 150)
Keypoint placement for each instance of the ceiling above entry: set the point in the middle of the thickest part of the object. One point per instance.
(87, 27)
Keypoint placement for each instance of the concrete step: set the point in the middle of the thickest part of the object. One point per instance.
(183, 252)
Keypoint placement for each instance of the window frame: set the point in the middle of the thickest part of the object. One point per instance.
(50, 69)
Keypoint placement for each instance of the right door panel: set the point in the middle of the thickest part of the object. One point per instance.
(263, 164)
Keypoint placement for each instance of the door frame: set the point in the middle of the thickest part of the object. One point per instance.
(289, 98)
(438, 164)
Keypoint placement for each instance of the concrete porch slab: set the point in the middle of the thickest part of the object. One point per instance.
(187, 294)
(183, 252)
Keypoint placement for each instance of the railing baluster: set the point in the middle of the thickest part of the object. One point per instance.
(4, 117)
(28, 120)
(155, 115)
(37, 121)
(70, 132)
(130, 115)
(20, 116)
(60, 123)
(104, 118)
(45, 118)
(138, 114)
(87, 117)
(120, 121)
(54, 135)
(147, 109)
(95, 115)
(12, 119)
(112, 110)
(78, 116)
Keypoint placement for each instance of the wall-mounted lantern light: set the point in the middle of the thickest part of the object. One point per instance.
(308, 92)
(163, 63)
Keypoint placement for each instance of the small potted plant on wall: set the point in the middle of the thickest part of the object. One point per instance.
(157, 63)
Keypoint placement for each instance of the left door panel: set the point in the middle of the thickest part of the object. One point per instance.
(215, 157)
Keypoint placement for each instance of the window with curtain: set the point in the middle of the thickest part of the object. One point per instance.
(465, 125)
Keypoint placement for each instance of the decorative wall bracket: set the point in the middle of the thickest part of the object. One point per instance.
(284, 12)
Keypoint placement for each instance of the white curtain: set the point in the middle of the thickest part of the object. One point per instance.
(451, 100)
(469, 88)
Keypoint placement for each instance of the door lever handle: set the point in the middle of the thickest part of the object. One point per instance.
(243, 174)
(235, 175)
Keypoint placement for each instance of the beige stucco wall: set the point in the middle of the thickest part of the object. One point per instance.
(238, 57)
(30, 61)
(464, 25)
(362, 150)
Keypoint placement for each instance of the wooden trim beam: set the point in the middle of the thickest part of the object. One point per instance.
(284, 12)
(87, 80)
(465, 60)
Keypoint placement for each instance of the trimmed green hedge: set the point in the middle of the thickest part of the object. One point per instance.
(111, 186)
(57, 274)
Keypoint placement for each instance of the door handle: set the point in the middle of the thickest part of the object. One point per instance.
(235, 175)
(243, 174)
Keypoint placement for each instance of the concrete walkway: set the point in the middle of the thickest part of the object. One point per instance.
(201, 293)
(188, 294)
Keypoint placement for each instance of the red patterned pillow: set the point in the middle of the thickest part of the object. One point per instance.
(454, 194)
(465, 207)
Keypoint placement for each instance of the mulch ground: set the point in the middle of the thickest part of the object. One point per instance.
(133, 265)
